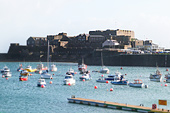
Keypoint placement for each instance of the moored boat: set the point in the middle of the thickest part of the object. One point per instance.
(120, 82)
(157, 77)
(69, 80)
(41, 82)
(24, 73)
(70, 71)
(7, 74)
(29, 69)
(167, 76)
(115, 76)
(104, 70)
(85, 76)
(46, 75)
(53, 67)
(5, 69)
(20, 68)
(23, 78)
(137, 83)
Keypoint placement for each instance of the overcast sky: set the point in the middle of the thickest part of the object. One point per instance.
(20, 19)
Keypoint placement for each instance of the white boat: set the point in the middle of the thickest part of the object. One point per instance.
(53, 67)
(137, 83)
(104, 69)
(115, 76)
(85, 76)
(167, 76)
(157, 77)
(7, 74)
(102, 80)
(69, 80)
(46, 75)
(70, 71)
(5, 69)
(41, 67)
(82, 67)
(41, 82)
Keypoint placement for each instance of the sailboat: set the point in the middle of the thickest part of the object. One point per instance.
(103, 69)
(46, 75)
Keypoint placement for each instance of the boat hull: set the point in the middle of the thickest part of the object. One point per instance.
(136, 85)
(119, 82)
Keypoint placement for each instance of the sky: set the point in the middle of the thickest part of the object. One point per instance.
(20, 19)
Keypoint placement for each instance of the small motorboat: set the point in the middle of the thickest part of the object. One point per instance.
(70, 71)
(46, 75)
(102, 80)
(29, 69)
(137, 83)
(69, 80)
(5, 69)
(53, 67)
(115, 76)
(104, 70)
(120, 82)
(24, 73)
(85, 76)
(20, 68)
(41, 82)
(7, 74)
(82, 67)
(23, 78)
(167, 76)
(157, 77)
(41, 67)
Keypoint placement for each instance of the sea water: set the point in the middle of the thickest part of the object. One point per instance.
(25, 97)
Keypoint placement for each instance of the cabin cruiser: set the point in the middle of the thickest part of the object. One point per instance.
(7, 74)
(41, 82)
(5, 69)
(53, 67)
(85, 76)
(115, 76)
(70, 71)
(104, 70)
(46, 75)
(24, 73)
(29, 69)
(69, 80)
(157, 77)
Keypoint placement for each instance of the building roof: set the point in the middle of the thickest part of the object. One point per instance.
(96, 36)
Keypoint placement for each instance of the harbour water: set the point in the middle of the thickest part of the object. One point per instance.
(25, 97)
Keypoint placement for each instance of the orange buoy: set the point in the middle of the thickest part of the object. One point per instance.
(102, 75)
(51, 82)
(111, 89)
(53, 74)
(6, 78)
(166, 84)
(121, 68)
(107, 82)
(43, 86)
(125, 74)
(95, 87)
(51, 78)
(3, 76)
(69, 84)
(167, 70)
(164, 80)
(83, 80)
(75, 73)
(161, 84)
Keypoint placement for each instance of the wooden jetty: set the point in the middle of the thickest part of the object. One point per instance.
(115, 105)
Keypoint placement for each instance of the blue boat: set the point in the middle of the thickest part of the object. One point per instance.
(119, 82)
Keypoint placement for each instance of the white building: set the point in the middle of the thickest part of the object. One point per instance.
(110, 43)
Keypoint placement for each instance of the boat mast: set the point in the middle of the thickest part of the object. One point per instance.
(48, 54)
(101, 58)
